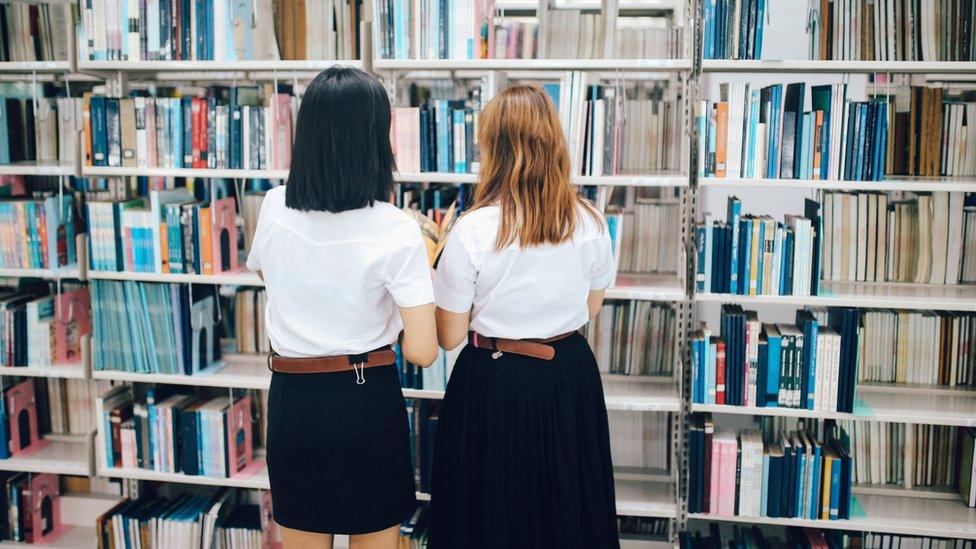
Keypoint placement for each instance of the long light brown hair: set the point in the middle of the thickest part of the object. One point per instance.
(525, 169)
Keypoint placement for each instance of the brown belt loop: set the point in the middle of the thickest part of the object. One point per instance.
(536, 348)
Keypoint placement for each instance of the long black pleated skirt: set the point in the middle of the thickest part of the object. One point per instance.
(522, 454)
(338, 452)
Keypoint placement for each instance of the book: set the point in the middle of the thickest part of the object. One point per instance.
(633, 338)
(733, 29)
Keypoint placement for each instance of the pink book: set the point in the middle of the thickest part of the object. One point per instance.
(723, 480)
(22, 416)
(282, 134)
(73, 310)
(237, 423)
(224, 235)
(44, 511)
(12, 185)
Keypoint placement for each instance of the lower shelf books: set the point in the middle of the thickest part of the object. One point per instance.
(437, 134)
(796, 474)
(41, 328)
(967, 466)
(31, 506)
(893, 541)
(172, 432)
(918, 238)
(905, 454)
(148, 327)
(757, 255)
(637, 440)
(645, 235)
(413, 530)
(642, 526)
(929, 347)
(423, 416)
(633, 338)
(223, 518)
(811, 364)
(726, 535)
(249, 310)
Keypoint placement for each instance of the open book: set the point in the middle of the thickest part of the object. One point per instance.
(435, 233)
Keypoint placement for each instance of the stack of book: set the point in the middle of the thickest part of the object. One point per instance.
(439, 136)
(792, 132)
(892, 30)
(423, 416)
(221, 518)
(35, 31)
(451, 29)
(644, 37)
(904, 454)
(633, 338)
(646, 235)
(30, 507)
(41, 129)
(919, 238)
(236, 127)
(516, 38)
(733, 29)
(790, 475)
(574, 34)
(628, 130)
(249, 321)
(170, 232)
(927, 347)
(170, 30)
(38, 233)
(723, 535)
(920, 129)
(69, 404)
(40, 328)
(810, 364)
(175, 433)
(757, 255)
(635, 440)
(959, 135)
(146, 327)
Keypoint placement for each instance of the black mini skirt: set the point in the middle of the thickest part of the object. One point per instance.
(338, 452)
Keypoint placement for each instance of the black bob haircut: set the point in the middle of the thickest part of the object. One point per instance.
(342, 158)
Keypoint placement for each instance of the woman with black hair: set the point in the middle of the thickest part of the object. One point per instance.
(345, 272)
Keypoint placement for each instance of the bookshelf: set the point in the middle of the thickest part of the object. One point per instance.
(930, 511)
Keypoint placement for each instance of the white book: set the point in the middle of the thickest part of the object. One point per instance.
(940, 237)
(860, 247)
(828, 237)
(954, 238)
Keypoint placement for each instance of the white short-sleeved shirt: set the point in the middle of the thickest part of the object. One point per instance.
(334, 280)
(516, 293)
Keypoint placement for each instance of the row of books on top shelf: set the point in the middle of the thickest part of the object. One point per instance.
(30, 507)
(147, 327)
(624, 127)
(921, 238)
(171, 232)
(893, 30)
(224, 518)
(804, 473)
(171, 432)
(817, 132)
(237, 127)
(214, 30)
(805, 365)
(756, 255)
(40, 326)
(729, 535)
(578, 34)
(633, 338)
(910, 455)
(37, 128)
(733, 29)
(35, 32)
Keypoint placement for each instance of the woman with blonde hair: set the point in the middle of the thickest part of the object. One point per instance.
(522, 452)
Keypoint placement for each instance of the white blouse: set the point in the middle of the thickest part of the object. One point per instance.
(517, 293)
(334, 280)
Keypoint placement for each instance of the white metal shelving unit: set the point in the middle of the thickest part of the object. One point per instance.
(893, 183)
(810, 66)
(61, 455)
(883, 295)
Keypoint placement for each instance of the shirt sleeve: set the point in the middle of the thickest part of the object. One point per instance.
(260, 236)
(604, 269)
(407, 272)
(454, 284)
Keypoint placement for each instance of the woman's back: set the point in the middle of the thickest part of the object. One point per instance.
(547, 284)
(334, 279)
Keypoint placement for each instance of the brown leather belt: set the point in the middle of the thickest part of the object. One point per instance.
(536, 348)
(327, 364)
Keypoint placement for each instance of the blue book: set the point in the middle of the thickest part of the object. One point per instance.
(801, 466)
(759, 260)
(99, 131)
(4, 136)
(786, 272)
(710, 364)
(733, 216)
(443, 125)
(123, 12)
(709, 252)
(709, 29)
(700, 242)
(696, 376)
(764, 491)
(835, 474)
(773, 356)
(773, 129)
(745, 265)
(807, 323)
(815, 483)
(754, 97)
(760, 23)
(457, 119)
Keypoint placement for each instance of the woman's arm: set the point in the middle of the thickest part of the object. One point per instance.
(452, 328)
(419, 343)
(594, 301)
